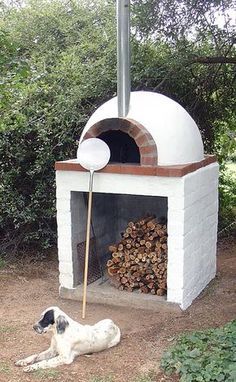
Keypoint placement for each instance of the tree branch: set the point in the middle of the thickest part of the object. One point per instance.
(214, 60)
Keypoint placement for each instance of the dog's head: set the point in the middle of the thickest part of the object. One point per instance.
(51, 318)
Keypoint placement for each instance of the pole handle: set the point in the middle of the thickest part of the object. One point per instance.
(86, 260)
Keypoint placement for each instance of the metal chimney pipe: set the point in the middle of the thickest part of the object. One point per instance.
(123, 57)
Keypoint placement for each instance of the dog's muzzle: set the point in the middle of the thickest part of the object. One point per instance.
(38, 328)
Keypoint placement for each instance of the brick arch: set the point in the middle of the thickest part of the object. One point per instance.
(142, 137)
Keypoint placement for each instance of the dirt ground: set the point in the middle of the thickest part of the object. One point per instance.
(28, 287)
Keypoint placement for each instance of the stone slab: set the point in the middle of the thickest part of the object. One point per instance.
(101, 292)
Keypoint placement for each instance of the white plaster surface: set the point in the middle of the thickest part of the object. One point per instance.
(176, 134)
(192, 223)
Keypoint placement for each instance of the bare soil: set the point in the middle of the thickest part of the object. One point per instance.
(28, 286)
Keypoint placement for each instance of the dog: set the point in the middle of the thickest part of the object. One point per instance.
(70, 339)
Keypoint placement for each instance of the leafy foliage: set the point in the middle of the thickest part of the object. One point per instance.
(2, 264)
(44, 109)
(227, 191)
(58, 64)
(225, 146)
(180, 34)
(204, 356)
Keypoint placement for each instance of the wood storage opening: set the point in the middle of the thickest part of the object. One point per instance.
(135, 227)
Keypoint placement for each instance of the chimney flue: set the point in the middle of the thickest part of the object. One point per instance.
(123, 57)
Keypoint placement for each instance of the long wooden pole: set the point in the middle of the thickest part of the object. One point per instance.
(87, 242)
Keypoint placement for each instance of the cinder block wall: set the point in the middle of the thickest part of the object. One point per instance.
(192, 235)
(201, 233)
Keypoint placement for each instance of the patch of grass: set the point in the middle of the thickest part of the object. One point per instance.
(144, 378)
(46, 375)
(2, 262)
(204, 356)
(7, 329)
(4, 368)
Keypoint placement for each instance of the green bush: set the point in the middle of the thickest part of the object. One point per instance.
(227, 199)
(44, 108)
(204, 356)
(233, 157)
(27, 191)
(2, 263)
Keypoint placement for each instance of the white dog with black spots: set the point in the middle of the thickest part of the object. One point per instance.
(70, 339)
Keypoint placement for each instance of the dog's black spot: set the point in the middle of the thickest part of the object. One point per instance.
(61, 324)
(48, 319)
(45, 321)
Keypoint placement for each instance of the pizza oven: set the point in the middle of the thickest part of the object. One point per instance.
(157, 166)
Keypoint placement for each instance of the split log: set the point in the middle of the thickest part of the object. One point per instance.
(160, 292)
(112, 248)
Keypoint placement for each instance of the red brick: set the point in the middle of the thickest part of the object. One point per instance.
(112, 169)
(138, 170)
(149, 149)
(136, 128)
(66, 166)
(141, 140)
(148, 161)
(89, 134)
(96, 130)
(210, 159)
(151, 141)
(134, 131)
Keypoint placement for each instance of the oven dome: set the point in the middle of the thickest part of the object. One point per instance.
(176, 135)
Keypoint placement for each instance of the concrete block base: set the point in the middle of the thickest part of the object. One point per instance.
(101, 292)
(190, 204)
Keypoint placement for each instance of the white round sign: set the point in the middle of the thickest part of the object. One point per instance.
(93, 154)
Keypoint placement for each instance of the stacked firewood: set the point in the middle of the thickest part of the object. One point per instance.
(139, 260)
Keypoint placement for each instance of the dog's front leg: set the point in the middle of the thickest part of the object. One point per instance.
(47, 354)
(53, 362)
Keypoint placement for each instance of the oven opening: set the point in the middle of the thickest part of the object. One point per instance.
(123, 147)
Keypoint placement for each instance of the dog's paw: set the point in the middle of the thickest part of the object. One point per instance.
(21, 362)
(29, 369)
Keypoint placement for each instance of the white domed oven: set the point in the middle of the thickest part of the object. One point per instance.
(157, 166)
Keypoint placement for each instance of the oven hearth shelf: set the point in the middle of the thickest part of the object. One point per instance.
(133, 169)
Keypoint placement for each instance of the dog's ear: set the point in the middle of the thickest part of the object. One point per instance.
(61, 324)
